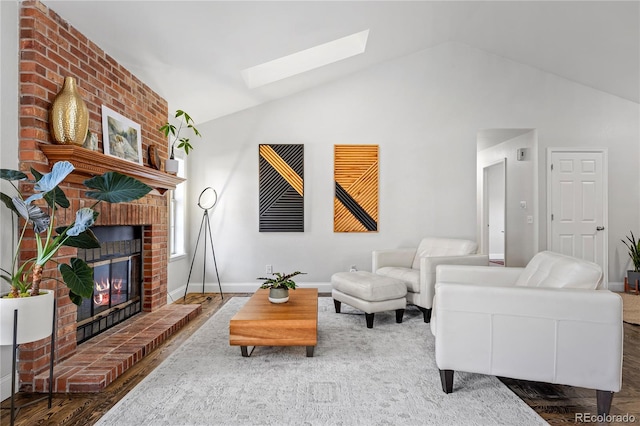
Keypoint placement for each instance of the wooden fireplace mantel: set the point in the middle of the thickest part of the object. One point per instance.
(89, 163)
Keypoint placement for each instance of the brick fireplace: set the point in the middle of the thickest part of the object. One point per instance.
(51, 50)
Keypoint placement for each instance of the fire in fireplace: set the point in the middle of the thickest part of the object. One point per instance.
(117, 273)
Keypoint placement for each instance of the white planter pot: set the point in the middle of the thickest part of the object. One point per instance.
(278, 295)
(171, 166)
(35, 316)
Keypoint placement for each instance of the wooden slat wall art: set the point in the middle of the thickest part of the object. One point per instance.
(356, 188)
(281, 188)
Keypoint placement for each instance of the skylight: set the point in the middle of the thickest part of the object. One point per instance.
(305, 60)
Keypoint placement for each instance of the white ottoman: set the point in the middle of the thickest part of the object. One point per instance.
(370, 293)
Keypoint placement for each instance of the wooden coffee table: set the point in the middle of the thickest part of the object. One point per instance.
(262, 323)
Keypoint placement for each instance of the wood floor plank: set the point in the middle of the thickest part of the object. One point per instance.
(556, 404)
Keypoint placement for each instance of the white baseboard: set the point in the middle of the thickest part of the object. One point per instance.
(5, 387)
(175, 295)
(323, 287)
(616, 286)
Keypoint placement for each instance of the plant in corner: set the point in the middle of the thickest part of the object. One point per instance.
(39, 211)
(634, 253)
(186, 122)
(279, 286)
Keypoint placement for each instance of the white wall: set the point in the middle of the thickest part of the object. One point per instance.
(424, 111)
(177, 277)
(8, 153)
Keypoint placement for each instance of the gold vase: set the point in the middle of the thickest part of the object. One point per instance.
(69, 117)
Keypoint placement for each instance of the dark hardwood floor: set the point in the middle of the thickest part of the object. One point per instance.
(556, 404)
(559, 404)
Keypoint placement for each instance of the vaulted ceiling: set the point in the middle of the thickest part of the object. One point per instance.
(192, 52)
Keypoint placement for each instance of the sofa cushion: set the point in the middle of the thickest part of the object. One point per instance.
(410, 277)
(443, 247)
(555, 270)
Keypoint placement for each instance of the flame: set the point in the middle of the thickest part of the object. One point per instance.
(101, 299)
(101, 292)
(102, 285)
(117, 285)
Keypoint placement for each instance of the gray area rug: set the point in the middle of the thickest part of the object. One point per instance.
(358, 376)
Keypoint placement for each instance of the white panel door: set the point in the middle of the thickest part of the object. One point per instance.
(578, 205)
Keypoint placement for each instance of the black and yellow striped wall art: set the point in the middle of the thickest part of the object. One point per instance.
(356, 188)
(281, 188)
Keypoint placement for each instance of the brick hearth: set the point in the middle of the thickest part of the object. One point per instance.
(101, 360)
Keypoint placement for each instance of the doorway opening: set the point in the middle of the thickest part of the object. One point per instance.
(507, 184)
(494, 212)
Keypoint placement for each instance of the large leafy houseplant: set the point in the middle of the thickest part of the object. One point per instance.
(186, 122)
(633, 246)
(39, 211)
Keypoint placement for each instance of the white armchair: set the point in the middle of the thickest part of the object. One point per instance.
(417, 266)
(549, 322)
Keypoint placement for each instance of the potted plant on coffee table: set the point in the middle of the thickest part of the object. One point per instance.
(40, 211)
(279, 286)
(186, 122)
(633, 245)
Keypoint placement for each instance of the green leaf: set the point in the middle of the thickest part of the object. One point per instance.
(179, 112)
(8, 174)
(56, 194)
(184, 144)
(634, 250)
(114, 187)
(168, 128)
(78, 276)
(281, 280)
(8, 202)
(84, 240)
(77, 300)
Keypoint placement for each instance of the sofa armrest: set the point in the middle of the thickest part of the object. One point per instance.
(394, 257)
(491, 275)
(428, 266)
(563, 336)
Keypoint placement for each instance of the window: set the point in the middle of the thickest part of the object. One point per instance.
(177, 215)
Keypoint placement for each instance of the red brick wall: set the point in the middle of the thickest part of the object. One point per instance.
(51, 50)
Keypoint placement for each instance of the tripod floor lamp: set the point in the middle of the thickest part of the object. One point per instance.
(208, 198)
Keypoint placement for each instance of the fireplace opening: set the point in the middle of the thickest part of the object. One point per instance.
(117, 275)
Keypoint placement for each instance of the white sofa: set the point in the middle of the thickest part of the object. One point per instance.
(416, 267)
(550, 322)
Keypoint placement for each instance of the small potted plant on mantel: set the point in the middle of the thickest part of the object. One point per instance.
(186, 122)
(35, 306)
(279, 286)
(633, 276)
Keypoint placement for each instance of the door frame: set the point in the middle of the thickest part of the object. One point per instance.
(484, 235)
(605, 199)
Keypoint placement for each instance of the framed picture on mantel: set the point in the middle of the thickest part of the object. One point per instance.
(121, 136)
